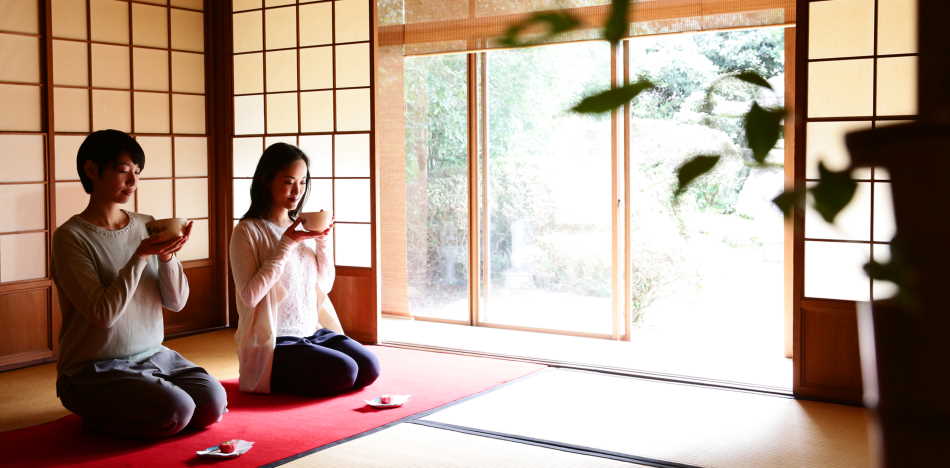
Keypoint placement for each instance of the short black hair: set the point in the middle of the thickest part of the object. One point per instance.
(276, 158)
(105, 147)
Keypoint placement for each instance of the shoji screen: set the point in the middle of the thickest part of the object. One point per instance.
(25, 224)
(303, 75)
(139, 68)
(859, 72)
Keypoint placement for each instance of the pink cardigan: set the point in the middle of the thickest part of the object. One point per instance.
(257, 262)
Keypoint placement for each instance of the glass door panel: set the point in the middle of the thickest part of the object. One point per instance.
(548, 176)
(437, 186)
(707, 270)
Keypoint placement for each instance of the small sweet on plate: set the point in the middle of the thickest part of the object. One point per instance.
(388, 401)
(229, 448)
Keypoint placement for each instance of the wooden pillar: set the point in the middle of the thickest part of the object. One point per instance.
(904, 344)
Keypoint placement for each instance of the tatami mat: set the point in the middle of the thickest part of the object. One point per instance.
(649, 419)
(415, 446)
(672, 422)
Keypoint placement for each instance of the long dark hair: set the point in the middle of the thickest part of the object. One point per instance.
(276, 158)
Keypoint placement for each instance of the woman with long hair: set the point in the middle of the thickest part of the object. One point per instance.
(289, 337)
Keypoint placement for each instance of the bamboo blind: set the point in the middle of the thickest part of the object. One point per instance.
(442, 26)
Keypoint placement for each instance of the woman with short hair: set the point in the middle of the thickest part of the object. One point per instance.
(113, 281)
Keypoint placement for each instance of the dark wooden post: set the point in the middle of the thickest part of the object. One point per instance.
(905, 346)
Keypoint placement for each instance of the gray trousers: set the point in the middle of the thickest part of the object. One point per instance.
(157, 397)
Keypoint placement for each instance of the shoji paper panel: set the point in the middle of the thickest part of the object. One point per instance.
(188, 72)
(197, 246)
(21, 58)
(111, 109)
(191, 198)
(826, 143)
(109, 21)
(22, 158)
(22, 256)
(110, 66)
(846, 93)
(19, 16)
(316, 68)
(70, 63)
(353, 245)
(24, 207)
(67, 147)
(303, 75)
(150, 69)
(151, 112)
(187, 30)
(191, 157)
(246, 153)
(70, 200)
(320, 150)
(21, 108)
(155, 198)
(248, 73)
(71, 110)
(840, 88)
(833, 270)
(149, 25)
(69, 18)
(158, 153)
(351, 155)
(188, 113)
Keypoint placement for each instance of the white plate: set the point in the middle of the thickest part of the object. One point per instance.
(240, 447)
(395, 401)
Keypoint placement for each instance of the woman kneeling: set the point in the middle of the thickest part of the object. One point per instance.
(113, 282)
(289, 337)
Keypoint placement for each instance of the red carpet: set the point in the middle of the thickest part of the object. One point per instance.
(280, 426)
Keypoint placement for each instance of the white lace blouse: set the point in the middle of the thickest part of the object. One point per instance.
(297, 314)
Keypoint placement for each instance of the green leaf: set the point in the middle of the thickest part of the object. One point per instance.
(753, 78)
(883, 271)
(897, 271)
(833, 192)
(606, 101)
(617, 23)
(557, 22)
(788, 200)
(748, 76)
(762, 129)
(690, 170)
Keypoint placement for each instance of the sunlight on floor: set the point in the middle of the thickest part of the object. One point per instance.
(646, 352)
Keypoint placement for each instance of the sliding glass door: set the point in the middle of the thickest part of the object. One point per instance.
(521, 214)
(437, 164)
(547, 209)
(707, 270)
